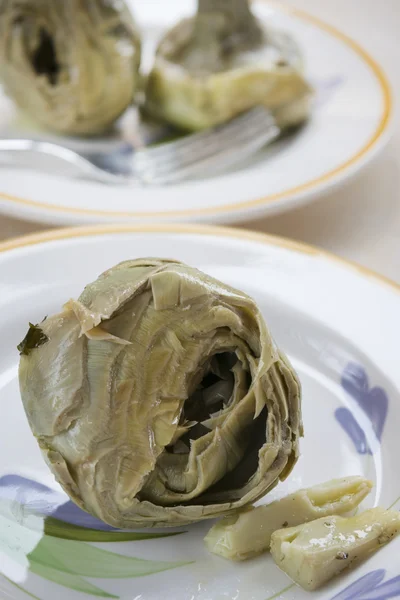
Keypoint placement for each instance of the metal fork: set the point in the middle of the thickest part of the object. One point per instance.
(194, 155)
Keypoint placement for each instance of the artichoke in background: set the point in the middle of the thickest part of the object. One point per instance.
(224, 61)
(72, 65)
(159, 397)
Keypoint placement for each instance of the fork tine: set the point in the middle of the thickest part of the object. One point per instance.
(195, 139)
(232, 135)
(208, 166)
(224, 156)
(223, 144)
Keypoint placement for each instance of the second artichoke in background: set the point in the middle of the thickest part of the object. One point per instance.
(70, 65)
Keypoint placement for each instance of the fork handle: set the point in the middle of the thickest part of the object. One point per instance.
(49, 157)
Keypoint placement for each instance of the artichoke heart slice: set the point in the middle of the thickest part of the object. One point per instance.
(248, 533)
(160, 398)
(311, 554)
(224, 61)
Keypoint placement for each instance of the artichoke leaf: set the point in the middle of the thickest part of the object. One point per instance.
(33, 339)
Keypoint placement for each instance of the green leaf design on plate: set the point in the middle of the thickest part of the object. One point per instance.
(68, 531)
(82, 559)
(60, 529)
(11, 582)
(69, 580)
(73, 582)
(279, 594)
(64, 558)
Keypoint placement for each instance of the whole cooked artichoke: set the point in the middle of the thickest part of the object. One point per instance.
(222, 62)
(72, 65)
(159, 397)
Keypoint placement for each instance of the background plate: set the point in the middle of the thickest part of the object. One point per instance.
(349, 125)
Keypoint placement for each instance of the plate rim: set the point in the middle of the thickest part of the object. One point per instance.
(301, 192)
(64, 233)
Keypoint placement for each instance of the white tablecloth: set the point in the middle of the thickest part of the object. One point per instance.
(360, 221)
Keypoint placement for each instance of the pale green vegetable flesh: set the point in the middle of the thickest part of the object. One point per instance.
(248, 533)
(160, 397)
(313, 553)
(222, 62)
(72, 65)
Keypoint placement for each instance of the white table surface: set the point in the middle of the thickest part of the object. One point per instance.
(360, 221)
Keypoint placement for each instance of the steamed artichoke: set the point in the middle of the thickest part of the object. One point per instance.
(159, 397)
(222, 62)
(72, 65)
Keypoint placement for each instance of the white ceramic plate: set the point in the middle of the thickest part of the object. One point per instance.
(349, 125)
(341, 329)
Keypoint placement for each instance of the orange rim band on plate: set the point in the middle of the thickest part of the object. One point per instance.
(184, 229)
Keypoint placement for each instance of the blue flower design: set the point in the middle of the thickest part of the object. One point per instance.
(326, 89)
(61, 517)
(58, 543)
(371, 587)
(39, 499)
(373, 402)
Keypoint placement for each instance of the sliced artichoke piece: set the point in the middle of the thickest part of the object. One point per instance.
(313, 553)
(72, 65)
(248, 533)
(221, 62)
(159, 397)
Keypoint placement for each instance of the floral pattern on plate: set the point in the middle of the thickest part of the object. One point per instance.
(371, 587)
(373, 402)
(50, 537)
(57, 534)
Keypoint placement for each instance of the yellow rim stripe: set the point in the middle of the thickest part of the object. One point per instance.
(211, 230)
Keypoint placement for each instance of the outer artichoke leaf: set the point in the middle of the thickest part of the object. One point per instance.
(33, 339)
